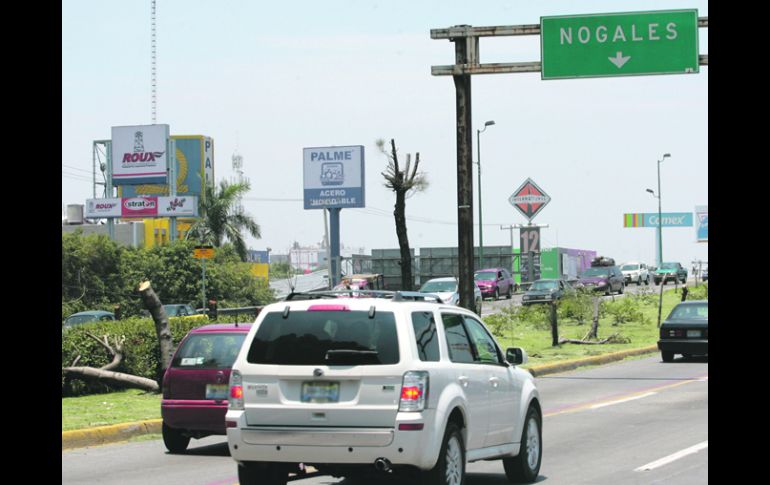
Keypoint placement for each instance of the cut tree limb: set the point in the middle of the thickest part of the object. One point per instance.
(111, 377)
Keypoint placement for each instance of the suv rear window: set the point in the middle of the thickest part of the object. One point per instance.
(209, 351)
(326, 338)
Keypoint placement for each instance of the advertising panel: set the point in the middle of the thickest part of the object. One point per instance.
(102, 208)
(702, 223)
(333, 177)
(138, 207)
(193, 153)
(139, 154)
(669, 219)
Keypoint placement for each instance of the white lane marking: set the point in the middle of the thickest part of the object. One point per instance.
(619, 401)
(674, 457)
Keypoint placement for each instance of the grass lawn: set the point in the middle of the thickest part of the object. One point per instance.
(536, 339)
(134, 405)
(105, 409)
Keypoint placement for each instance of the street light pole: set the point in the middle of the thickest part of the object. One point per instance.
(660, 215)
(660, 238)
(481, 230)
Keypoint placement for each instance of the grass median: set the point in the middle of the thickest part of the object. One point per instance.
(535, 337)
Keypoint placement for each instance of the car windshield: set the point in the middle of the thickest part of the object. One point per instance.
(545, 285)
(209, 351)
(78, 319)
(690, 312)
(439, 286)
(629, 267)
(325, 337)
(668, 266)
(594, 272)
(485, 276)
(178, 310)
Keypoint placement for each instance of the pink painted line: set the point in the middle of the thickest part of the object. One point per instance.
(227, 481)
(568, 407)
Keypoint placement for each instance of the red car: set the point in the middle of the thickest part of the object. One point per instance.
(195, 386)
(494, 282)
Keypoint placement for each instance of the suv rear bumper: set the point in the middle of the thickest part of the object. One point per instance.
(320, 445)
(202, 415)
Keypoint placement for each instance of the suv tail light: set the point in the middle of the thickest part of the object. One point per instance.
(414, 391)
(235, 399)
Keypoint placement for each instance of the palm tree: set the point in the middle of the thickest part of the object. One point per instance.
(222, 218)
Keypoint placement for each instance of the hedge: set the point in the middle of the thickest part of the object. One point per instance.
(141, 352)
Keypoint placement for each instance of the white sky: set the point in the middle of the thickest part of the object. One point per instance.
(268, 79)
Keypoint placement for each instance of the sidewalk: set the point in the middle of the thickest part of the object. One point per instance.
(123, 432)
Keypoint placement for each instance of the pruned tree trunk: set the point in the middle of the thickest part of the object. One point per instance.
(554, 326)
(403, 241)
(113, 377)
(594, 332)
(165, 339)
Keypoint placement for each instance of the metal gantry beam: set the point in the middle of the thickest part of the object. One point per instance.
(471, 67)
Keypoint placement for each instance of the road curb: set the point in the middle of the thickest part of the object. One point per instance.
(108, 434)
(121, 432)
(541, 370)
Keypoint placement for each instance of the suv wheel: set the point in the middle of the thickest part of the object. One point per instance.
(509, 295)
(174, 440)
(450, 467)
(526, 466)
(497, 294)
(667, 356)
(253, 473)
(622, 288)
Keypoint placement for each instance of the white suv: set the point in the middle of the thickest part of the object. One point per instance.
(354, 386)
(634, 272)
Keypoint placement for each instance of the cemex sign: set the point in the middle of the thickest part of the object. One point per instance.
(668, 219)
(619, 44)
(529, 199)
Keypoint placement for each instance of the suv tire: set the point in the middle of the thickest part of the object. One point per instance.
(450, 467)
(497, 294)
(174, 440)
(525, 467)
(667, 356)
(253, 473)
(509, 295)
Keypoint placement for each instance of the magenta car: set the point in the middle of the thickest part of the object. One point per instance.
(195, 386)
(494, 282)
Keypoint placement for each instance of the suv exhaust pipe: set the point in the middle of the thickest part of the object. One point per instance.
(382, 464)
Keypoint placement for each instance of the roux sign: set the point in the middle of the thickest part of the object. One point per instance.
(139, 154)
(102, 208)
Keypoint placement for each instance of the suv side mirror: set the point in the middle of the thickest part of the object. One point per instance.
(516, 356)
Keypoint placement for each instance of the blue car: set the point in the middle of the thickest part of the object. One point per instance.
(88, 316)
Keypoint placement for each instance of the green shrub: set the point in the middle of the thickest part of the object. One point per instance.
(625, 310)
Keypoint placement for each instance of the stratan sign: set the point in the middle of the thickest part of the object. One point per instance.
(139, 154)
(142, 207)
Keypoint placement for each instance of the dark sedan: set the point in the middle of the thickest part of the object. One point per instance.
(685, 331)
(546, 291)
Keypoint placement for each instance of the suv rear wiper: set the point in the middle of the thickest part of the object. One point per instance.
(352, 356)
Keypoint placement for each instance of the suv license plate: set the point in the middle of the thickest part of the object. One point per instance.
(216, 391)
(693, 333)
(320, 392)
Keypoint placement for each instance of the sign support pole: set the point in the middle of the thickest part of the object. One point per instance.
(334, 244)
(108, 188)
(171, 144)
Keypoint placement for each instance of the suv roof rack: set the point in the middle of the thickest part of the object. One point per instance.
(391, 295)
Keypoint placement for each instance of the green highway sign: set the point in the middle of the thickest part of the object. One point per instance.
(619, 44)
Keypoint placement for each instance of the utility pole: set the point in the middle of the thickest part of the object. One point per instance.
(466, 49)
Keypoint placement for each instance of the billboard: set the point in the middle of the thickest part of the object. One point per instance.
(669, 219)
(194, 160)
(333, 177)
(138, 207)
(139, 154)
(702, 223)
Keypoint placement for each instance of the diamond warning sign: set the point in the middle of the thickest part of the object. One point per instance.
(529, 199)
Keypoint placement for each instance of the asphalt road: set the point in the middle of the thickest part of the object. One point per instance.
(638, 421)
